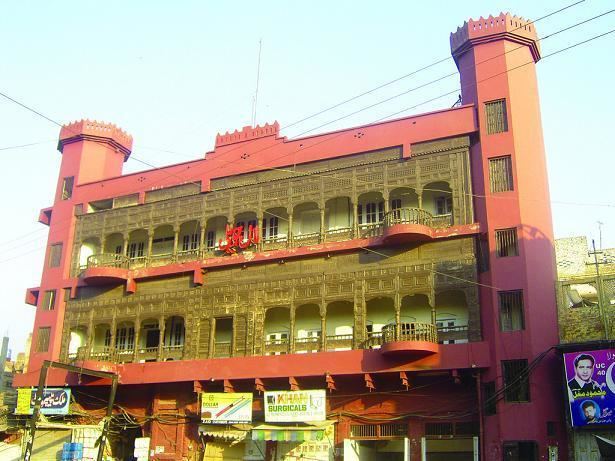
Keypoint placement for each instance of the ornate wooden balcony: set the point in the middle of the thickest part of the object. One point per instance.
(277, 346)
(409, 338)
(337, 342)
(106, 267)
(303, 345)
(398, 226)
(407, 225)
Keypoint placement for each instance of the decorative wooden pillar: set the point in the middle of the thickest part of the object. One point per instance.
(432, 303)
(150, 244)
(385, 198)
(290, 228)
(125, 239)
(355, 218)
(161, 332)
(212, 337)
(113, 337)
(322, 224)
(292, 333)
(175, 240)
(323, 326)
(202, 243)
(419, 195)
(91, 335)
(397, 305)
(137, 338)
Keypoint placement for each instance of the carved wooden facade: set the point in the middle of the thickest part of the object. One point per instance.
(245, 294)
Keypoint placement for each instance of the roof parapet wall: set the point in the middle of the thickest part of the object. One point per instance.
(248, 133)
(96, 131)
(505, 25)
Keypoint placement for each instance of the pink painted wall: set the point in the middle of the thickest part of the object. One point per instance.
(498, 62)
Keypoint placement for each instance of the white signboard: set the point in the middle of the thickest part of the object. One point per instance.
(226, 407)
(295, 406)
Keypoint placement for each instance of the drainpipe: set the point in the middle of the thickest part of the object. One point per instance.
(481, 422)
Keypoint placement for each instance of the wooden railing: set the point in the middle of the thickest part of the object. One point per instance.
(456, 333)
(409, 331)
(282, 241)
(108, 260)
(222, 349)
(277, 346)
(408, 216)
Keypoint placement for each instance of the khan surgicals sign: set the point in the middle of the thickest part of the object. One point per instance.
(590, 380)
(295, 406)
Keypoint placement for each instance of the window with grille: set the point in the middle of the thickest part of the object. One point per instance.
(273, 226)
(373, 213)
(390, 430)
(500, 174)
(439, 429)
(211, 239)
(136, 250)
(107, 338)
(490, 398)
(506, 243)
(497, 121)
(67, 187)
(190, 242)
(118, 249)
(125, 338)
(511, 310)
(49, 300)
(444, 205)
(55, 255)
(177, 333)
(516, 382)
(42, 339)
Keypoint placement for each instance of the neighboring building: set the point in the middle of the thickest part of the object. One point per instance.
(405, 267)
(586, 303)
(8, 395)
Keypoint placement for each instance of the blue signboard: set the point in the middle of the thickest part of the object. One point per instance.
(55, 401)
(590, 380)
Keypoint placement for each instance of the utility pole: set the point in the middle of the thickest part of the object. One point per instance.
(39, 398)
(605, 319)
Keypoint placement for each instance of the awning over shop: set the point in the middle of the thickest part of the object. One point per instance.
(235, 433)
(295, 433)
(606, 447)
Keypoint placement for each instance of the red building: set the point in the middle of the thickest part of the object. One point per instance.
(405, 267)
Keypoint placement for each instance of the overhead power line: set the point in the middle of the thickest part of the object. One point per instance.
(280, 169)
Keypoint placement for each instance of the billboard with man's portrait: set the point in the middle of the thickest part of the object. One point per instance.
(590, 384)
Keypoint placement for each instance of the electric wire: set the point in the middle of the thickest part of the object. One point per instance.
(388, 116)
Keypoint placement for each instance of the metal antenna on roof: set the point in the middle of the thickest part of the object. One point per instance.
(258, 73)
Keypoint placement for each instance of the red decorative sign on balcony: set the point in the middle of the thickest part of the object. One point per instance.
(236, 238)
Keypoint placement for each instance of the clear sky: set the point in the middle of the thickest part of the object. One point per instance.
(173, 74)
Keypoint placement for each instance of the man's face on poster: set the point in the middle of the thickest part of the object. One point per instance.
(585, 370)
(590, 412)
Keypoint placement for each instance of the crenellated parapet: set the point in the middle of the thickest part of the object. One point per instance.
(505, 25)
(248, 133)
(96, 131)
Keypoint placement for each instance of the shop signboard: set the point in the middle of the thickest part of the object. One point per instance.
(226, 407)
(295, 406)
(55, 401)
(590, 380)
